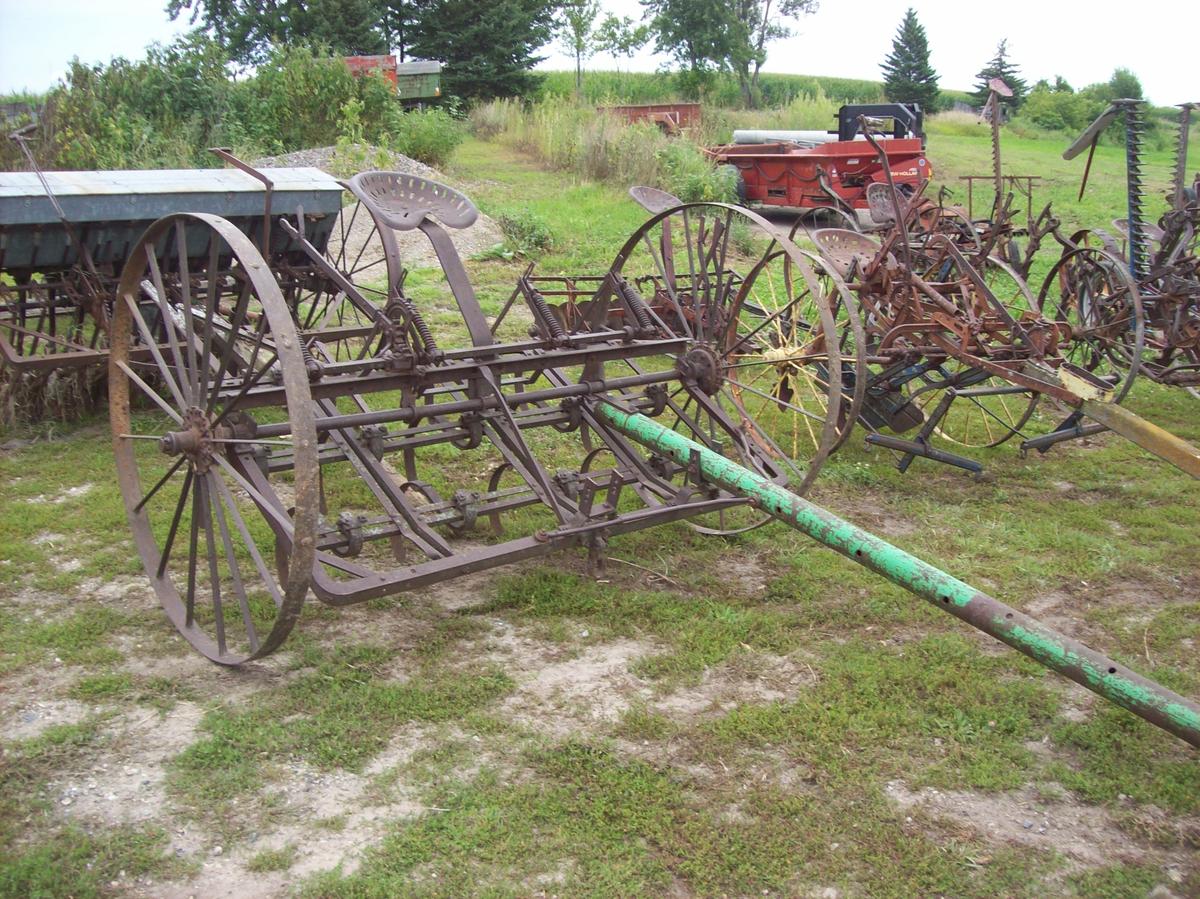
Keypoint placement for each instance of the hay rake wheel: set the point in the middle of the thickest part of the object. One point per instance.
(717, 275)
(991, 411)
(203, 523)
(781, 362)
(1093, 292)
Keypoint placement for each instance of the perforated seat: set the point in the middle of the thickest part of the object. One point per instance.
(879, 202)
(842, 247)
(654, 200)
(404, 201)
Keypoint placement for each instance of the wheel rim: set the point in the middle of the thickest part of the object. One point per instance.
(691, 265)
(364, 253)
(197, 291)
(779, 359)
(992, 419)
(1093, 293)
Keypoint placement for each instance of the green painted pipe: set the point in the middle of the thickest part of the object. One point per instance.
(1101, 675)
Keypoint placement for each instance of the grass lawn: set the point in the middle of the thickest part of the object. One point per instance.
(716, 717)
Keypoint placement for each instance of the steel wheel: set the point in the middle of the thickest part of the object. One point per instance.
(361, 250)
(1091, 291)
(951, 221)
(690, 267)
(992, 418)
(974, 420)
(197, 291)
(810, 220)
(780, 358)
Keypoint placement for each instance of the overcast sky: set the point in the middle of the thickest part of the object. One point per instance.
(1081, 42)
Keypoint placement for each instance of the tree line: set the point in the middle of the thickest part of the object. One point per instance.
(909, 77)
(490, 48)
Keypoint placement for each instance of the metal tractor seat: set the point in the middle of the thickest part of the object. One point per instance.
(843, 247)
(1151, 231)
(404, 201)
(654, 200)
(879, 202)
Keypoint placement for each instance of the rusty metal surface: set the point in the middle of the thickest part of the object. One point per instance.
(260, 459)
(64, 236)
(1162, 259)
(954, 334)
(655, 329)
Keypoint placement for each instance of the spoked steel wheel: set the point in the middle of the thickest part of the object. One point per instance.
(781, 355)
(362, 252)
(1091, 291)
(809, 220)
(208, 501)
(950, 221)
(988, 409)
(694, 268)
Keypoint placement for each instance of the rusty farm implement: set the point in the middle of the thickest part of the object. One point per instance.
(1135, 309)
(933, 338)
(65, 235)
(261, 461)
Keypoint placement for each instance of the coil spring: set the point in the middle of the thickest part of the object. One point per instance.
(542, 310)
(314, 368)
(1135, 129)
(636, 304)
(400, 308)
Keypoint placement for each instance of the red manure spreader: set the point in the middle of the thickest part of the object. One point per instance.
(829, 170)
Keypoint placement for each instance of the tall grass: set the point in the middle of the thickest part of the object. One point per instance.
(600, 147)
(597, 146)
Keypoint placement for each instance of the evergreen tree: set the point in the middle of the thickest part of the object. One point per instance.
(1000, 67)
(907, 75)
(488, 48)
(349, 27)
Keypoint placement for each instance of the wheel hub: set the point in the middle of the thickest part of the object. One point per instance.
(194, 441)
(702, 366)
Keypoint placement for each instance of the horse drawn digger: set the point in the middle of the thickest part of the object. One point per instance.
(286, 420)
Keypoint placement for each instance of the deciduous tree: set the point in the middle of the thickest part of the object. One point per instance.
(576, 30)
(247, 29)
(723, 35)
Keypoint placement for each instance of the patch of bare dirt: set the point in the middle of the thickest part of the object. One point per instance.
(866, 512)
(563, 689)
(754, 679)
(30, 718)
(1087, 835)
(1065, 608)
(128, 592)
(125, 785)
